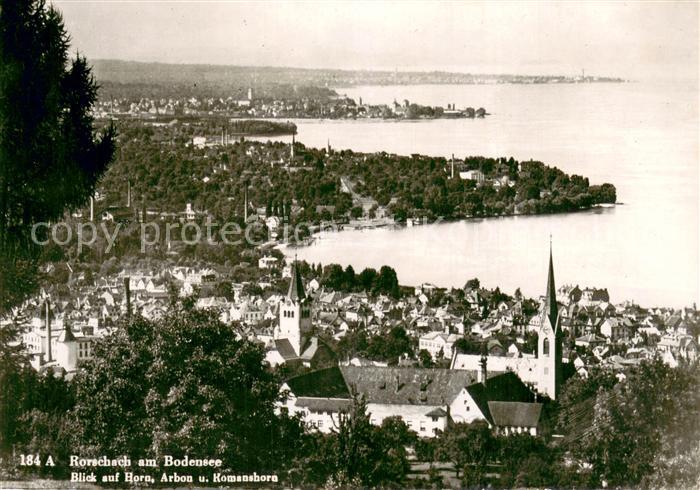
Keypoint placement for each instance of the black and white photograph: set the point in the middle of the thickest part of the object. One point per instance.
(349, 244)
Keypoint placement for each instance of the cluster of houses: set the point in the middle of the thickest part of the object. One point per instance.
(458, 168)
(504, 383)
(248, 105)
(329, 105)
(502, 386)
(428, 400)
(59, 334)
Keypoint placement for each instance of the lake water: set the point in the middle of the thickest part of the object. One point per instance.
(642, 137)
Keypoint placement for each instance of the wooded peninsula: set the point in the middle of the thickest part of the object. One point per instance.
(165, 172)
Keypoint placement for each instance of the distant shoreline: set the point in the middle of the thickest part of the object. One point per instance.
(384, 223)
(125, 71)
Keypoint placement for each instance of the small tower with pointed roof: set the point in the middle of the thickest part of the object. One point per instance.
(67, 349)
(295, 313)
(549, 342)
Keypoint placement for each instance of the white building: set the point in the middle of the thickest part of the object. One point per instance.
(438, 344)
(427, 400)
(544, 372)
(613, 329)
(53, 344)
(189, 212)
(475, 175)
(267, 262)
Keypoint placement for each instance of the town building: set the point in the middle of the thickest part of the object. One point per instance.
(53, 345)
(475, 175)
(543, 372)
(427, 400)
(438, 344)
(267, 262)
(293, 341)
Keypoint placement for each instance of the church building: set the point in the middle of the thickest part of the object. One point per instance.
(293, 339)
(496, 389)
(543, 372)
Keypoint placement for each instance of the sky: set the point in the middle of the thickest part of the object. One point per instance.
(634, 40)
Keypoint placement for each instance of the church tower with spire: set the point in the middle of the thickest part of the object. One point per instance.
(549, 342)
(295, 313)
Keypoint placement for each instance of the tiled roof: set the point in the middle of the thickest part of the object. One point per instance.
(590, 338)
(416, 386)
(436, 412)
(324, 383)
(310, 349)
(515, 414)
(506, 387)
(325, 404)
(284, 347)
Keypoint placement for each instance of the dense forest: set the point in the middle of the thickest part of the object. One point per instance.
(421, 185)
(258, 127)
(166, 172)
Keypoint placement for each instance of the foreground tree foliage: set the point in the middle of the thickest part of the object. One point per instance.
(183, 385)
(15, 377)
(467, 447)
(480, 457)
(356, 454)
(33, 407)
(645, 428)
(50, 159)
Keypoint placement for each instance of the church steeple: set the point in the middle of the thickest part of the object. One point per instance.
(549, 340)
(295, 313)
(296, 287)
(550, 303)
(67, 334)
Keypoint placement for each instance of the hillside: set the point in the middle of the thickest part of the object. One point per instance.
(230, 80)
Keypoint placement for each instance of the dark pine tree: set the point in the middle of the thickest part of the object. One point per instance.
(50, 156)
(50, 160)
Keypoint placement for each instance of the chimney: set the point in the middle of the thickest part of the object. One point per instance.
(143, 208)
(449, 413)
(127, 295)
(483, 372)
(48, 331)
(398, 383)
(128, 193)
(92, 208)
(245, 204)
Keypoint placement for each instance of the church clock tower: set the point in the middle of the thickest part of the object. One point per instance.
(549, 341)
(295, 313)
